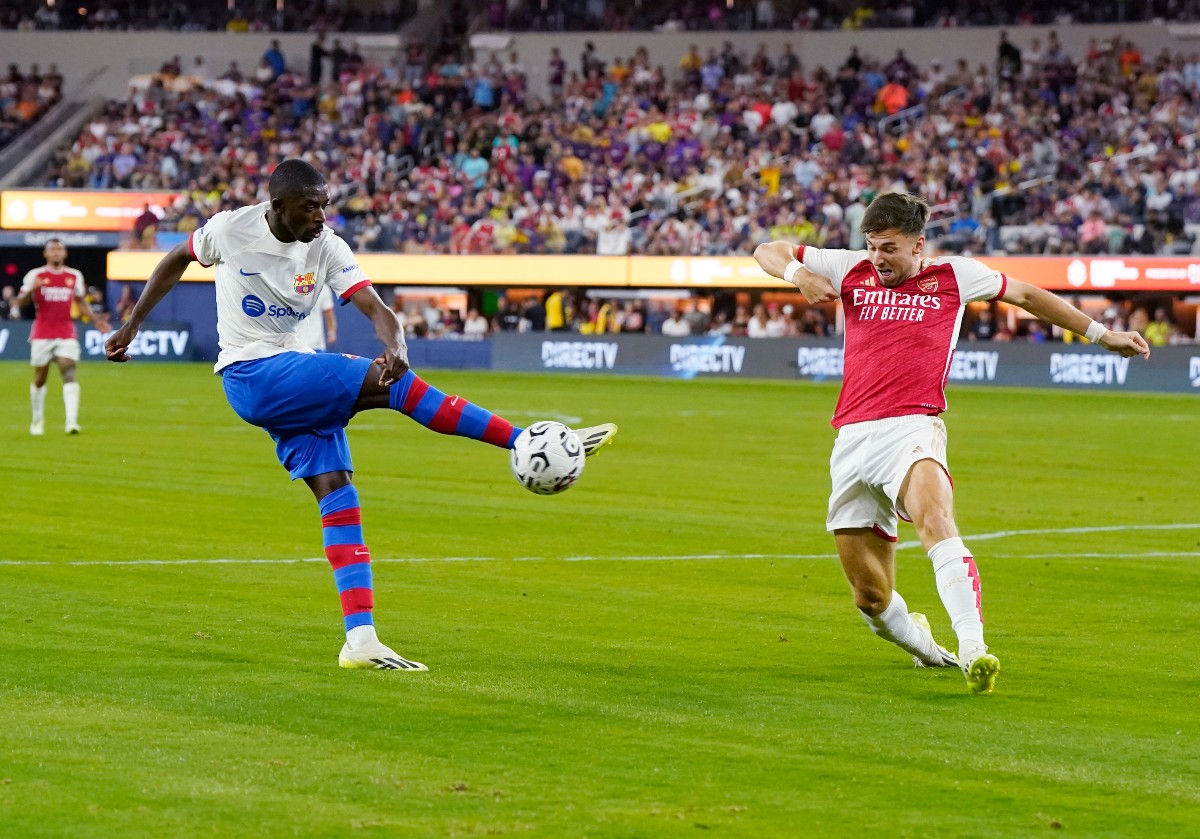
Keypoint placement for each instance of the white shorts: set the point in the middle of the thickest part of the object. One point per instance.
(870, 462)
(42, 350)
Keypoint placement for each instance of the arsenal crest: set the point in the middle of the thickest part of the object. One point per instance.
(928, 286)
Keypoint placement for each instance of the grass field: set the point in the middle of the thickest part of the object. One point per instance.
(668, 649)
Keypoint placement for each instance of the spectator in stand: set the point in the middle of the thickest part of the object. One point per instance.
(1160, 331)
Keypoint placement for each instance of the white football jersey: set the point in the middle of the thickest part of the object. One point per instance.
(265, 287)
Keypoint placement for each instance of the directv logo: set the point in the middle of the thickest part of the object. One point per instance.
(253, 306)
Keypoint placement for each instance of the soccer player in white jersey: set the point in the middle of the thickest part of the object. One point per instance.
(903, 315)
(54, 288)
(273, 260)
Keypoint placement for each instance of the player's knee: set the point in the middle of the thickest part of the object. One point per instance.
(871, 599)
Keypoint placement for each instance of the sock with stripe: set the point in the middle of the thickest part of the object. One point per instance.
(958, 586)
(894, 624)
(341, 525)
(415, 398)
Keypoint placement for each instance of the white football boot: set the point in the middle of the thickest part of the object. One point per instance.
(375, 656)
(944, 657)
(594, 437)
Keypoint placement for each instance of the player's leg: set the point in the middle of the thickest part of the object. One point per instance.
(868, 560)
(417, 399)
(70, 393)
(928, 499)
(37, 399)
(341, 524)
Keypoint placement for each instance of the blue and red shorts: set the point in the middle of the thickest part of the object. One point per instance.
(304, 401)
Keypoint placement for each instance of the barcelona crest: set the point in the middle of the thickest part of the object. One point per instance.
(304, 283)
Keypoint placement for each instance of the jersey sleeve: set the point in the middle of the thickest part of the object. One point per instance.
(832, 263)
(977, 281)
(343, 275)
(205, 242)
(80, 286)
(328, 303)
(27, 283)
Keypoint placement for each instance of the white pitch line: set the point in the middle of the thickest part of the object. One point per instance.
(1110, 528)
(980, 537)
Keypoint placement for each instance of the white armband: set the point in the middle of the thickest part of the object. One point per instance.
(789, 273)
(1095, 332)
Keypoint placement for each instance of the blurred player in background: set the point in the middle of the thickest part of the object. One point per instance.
(903, 313)
(319, 329)
(54, 289)
(273, 260)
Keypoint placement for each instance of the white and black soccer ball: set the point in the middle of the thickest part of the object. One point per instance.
(547, 457)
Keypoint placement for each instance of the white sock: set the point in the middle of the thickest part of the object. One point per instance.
(37, 400)
(361, 635)
(71, 402)
(893, 624)
(958, 586)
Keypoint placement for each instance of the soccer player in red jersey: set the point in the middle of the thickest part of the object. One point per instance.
(53, 288)
(903, 313)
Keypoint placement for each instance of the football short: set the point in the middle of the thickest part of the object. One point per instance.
(304, 401)
(870, 462)
(43, 350)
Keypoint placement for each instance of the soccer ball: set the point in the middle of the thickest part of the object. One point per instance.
(547, 457)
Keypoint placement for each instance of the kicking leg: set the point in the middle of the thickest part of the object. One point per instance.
(868, 561)
(929, 500)
(341, 523)
(417, 399)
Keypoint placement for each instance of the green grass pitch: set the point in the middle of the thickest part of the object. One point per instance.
(668, 649)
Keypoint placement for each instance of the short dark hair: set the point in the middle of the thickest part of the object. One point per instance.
(294, 177)
(896, 211)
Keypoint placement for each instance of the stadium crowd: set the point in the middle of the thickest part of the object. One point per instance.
(25, 95)
(1037, 152)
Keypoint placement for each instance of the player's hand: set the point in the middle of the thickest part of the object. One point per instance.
(394, 363)
(814, 287)
(101, 322)
(117, 346)
(1126, 343)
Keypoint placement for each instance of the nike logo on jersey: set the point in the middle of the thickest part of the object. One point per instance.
(246, 273)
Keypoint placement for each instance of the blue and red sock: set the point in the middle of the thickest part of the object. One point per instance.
(413, 397)
(341, 524)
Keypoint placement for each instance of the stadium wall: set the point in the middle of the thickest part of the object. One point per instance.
(1066, 366)
(126, 54)
(1058, 366)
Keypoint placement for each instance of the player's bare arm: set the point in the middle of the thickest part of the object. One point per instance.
(163, 278)
(1055, 310)
(394, 358)
(23, 297)
(775, 257)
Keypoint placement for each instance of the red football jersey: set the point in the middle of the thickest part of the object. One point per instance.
(900, 340)
(53, 301)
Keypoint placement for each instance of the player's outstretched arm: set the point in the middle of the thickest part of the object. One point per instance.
(163, 278)
(776, 258)
(394, 358)
(1055, 310)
